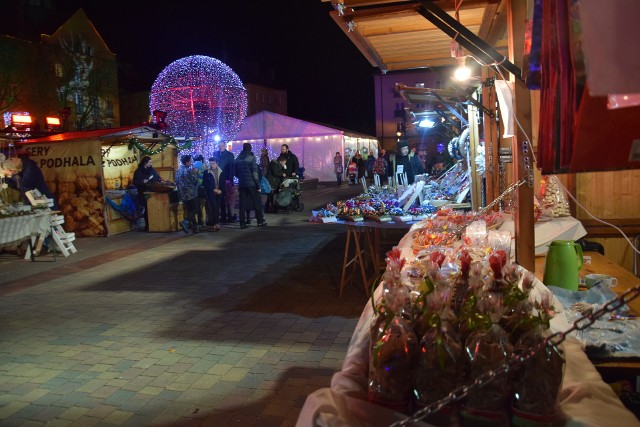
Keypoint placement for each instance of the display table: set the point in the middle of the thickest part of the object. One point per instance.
(163, 215)
(584, 399)
(362, 257)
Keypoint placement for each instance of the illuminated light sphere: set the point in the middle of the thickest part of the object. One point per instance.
(204, 99)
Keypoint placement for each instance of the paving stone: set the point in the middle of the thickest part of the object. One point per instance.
(139, 345)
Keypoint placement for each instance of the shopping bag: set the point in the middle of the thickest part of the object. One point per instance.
(265, 187)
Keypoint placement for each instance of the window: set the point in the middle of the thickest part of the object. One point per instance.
(420, 84)
(58, 70)
(89, 50)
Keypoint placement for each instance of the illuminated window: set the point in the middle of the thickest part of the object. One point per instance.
(58, 70)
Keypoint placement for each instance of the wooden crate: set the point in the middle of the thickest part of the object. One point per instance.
(163, 215)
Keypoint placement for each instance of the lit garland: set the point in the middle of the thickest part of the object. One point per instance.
(135, 143)
(203, 98)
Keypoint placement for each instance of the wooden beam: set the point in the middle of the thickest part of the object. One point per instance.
(522, 150)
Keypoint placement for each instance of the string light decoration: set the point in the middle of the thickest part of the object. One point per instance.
(204, 99)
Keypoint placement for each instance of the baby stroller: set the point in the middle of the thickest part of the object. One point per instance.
(353, 173)
(287, 197)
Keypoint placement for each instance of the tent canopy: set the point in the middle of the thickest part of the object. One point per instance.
(315, 145)
(268, 125)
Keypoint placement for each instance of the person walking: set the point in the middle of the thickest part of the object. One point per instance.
(359, 161)
(248, 186)
(369, 164)
(338, 168)
(380, 168)
(143, 177)
(187, 184)
(225, 161)
(211, 180)
(200, 166)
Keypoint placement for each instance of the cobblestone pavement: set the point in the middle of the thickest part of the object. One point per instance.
(233, 328)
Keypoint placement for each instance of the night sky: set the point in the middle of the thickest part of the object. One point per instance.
(286, 44)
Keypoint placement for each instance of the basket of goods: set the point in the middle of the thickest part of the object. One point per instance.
(374, 210)
(419, 213)
(349, 211)
(454, 324)
(162, 187)
(325, 216)
(399, 215)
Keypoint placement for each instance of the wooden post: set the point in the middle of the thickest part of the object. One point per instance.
(522, 155)
(491, 143)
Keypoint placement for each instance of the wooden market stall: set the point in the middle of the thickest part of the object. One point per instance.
(397, 36)
(89, 173)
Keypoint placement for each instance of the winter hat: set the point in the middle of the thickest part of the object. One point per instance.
(401, 144)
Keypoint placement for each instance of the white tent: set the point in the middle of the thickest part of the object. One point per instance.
(314, 144)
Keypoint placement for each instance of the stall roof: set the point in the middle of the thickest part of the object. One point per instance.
(140, 132)
(394, 35)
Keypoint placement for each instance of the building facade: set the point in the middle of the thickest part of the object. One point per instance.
(263, 98)
(392, 122)
(70, 74)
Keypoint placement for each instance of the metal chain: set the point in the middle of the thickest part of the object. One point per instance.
(516, 360)
(513, 187)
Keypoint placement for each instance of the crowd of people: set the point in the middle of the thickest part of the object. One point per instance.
(209, 186)
(386, 164)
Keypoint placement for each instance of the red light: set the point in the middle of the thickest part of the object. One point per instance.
(53, 121)
(20, 119)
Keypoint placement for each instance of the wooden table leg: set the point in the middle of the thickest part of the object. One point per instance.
(346, 261)
(360, 260)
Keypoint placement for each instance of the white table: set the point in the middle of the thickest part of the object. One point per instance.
(17, 228)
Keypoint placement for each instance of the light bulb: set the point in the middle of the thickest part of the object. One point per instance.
(462, 73)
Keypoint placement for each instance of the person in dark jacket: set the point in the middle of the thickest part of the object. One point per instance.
(213, 180)
(370, 161)
(416, 163)
(143, 177)
(402, 158)
(30, 178)
(275, 175)
(359, 161)
(292, 161)
(248, 185)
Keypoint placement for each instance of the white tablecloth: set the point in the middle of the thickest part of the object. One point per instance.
(17, 228)
(565, 228)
